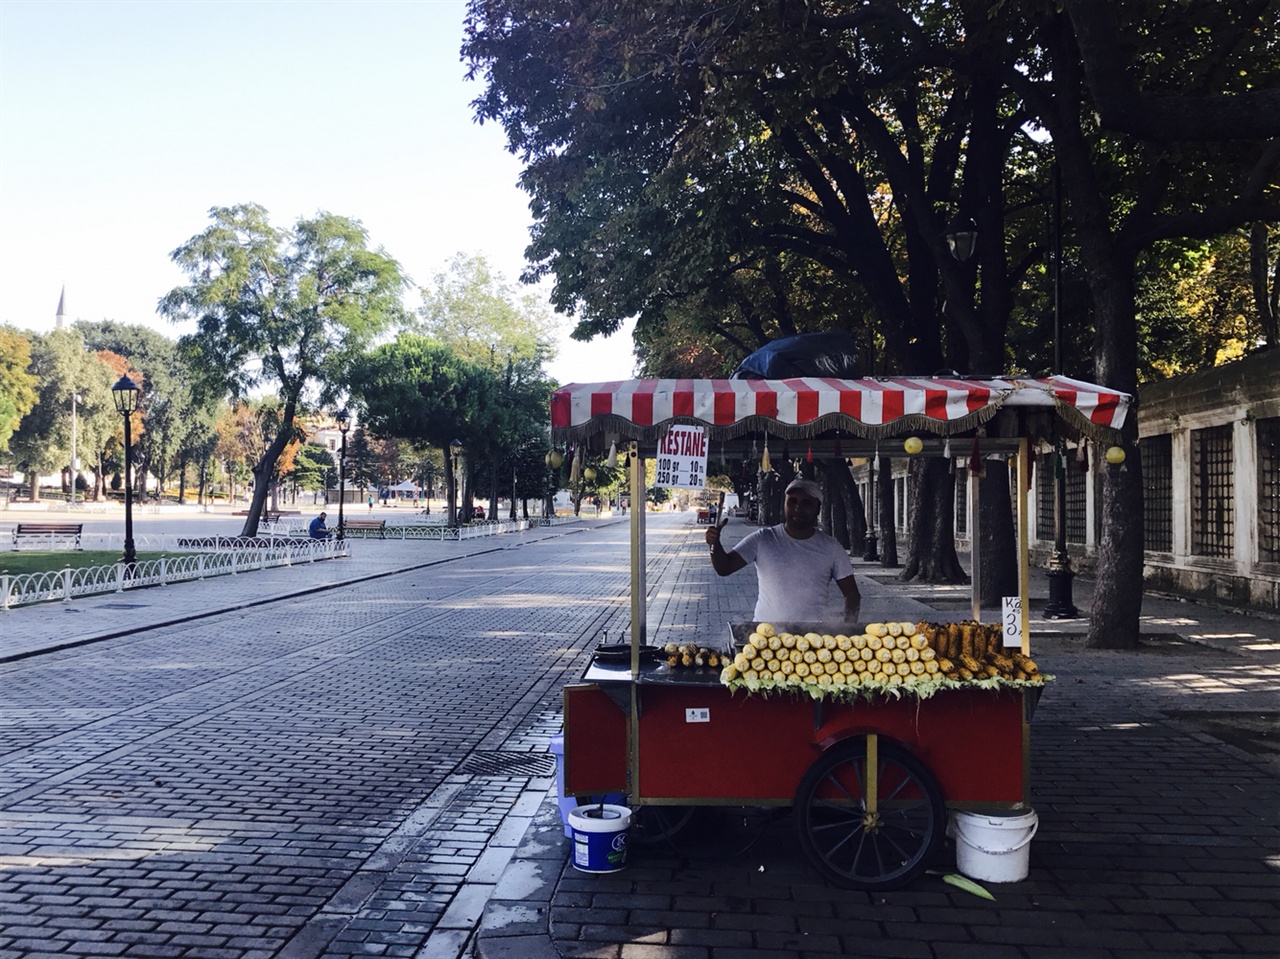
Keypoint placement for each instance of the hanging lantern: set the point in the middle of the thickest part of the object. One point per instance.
(589, 474)
(554, 459)
(913, 445)
(1115, 455)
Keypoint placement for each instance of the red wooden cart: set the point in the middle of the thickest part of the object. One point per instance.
(870, 779)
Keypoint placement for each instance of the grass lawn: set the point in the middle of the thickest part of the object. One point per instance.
(17, 562)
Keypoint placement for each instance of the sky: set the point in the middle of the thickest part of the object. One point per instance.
(123, 123)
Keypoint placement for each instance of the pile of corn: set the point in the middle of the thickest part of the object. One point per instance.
(690, 655)
(917, 656)
(972, 650)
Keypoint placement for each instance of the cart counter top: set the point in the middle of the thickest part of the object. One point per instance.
(651, 673)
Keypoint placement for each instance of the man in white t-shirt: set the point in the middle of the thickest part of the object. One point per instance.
(795, 563)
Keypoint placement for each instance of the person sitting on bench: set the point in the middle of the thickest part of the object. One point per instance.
(317, 529)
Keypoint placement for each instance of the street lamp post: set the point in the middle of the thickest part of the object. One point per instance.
(75, 466)
(1060, 575)
(126, 394)
(343, 416)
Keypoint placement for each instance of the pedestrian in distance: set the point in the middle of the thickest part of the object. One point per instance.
(795, 562)
(317, 528)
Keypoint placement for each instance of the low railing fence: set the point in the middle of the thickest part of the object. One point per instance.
(65, 584)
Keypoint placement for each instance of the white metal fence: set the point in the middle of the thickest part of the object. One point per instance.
(65, 584)
(279, 544)
(421, 530)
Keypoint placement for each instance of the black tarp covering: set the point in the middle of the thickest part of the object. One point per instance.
(832, 353)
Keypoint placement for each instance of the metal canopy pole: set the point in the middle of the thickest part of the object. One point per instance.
(639, 633)
(975, 539)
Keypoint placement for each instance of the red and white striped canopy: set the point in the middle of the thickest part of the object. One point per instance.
(642, 409)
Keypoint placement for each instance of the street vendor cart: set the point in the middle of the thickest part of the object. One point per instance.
(873, 760)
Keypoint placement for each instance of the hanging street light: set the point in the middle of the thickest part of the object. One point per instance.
(126, 394)
(962, 238)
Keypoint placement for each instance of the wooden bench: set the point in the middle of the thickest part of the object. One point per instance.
(366, 524)
(51, 535)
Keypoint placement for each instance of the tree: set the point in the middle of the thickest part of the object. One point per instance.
(17, 385)
(418, 389)
(683, 155)
(362, 460)
(1131, 189)
(62, 366)
(313, 468)
(476, 313)
(174, 418)
(286, 309)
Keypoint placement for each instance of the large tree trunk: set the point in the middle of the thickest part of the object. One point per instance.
(931, 555)
(1116, 614)
(265, 468)
(843, 513)
(997, 547)
(887, 519)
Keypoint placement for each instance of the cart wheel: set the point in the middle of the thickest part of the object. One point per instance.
(883, 844)
(654, 824)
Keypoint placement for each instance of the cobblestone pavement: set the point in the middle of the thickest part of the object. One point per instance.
(343, 771)
(1155, 776)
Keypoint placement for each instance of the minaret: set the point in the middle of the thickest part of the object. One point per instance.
(62, 308)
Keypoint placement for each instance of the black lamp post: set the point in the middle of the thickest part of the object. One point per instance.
(126, 393)
(1060, 575)
(343, 416)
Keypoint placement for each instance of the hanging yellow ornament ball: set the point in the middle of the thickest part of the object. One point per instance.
(554, 459)
(589, 473)
(913, 445)
(1115, 455)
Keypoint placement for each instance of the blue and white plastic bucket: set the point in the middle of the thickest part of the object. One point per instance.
(600, 837)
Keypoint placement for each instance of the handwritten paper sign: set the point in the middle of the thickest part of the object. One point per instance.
(682, 458)
(1011, 620)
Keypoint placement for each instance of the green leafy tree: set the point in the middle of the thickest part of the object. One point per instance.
(172, 412)
(62, 366)
(17, 385)
(362, 461)
(476, 313)
(313, 467)
(418, 389)
(287, 310)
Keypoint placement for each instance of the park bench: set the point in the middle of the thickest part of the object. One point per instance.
(367, 524)
(48, 535)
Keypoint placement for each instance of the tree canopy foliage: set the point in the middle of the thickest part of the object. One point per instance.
(286, 309)
(748, 170)
(17, 384)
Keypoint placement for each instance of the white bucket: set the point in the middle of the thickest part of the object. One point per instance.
(995, 847)
(599, 837)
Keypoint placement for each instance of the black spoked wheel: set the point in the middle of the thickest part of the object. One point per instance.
(869, 826)
(654, 824)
